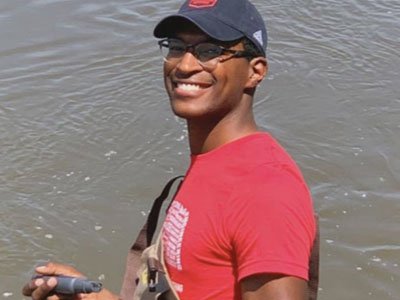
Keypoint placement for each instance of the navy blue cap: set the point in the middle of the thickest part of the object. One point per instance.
(223, 20)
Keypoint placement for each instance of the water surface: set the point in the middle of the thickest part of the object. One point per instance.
(87, 138)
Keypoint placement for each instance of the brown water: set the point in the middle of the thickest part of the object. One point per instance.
(87, 138)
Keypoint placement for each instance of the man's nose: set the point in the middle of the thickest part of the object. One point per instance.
(189, 63)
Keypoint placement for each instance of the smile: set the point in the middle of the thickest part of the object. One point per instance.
(188, 86)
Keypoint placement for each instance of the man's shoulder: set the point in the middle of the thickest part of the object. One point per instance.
(261, 149)
(270, 181)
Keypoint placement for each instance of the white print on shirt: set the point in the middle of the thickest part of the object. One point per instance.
(174, 228)
(177, 286)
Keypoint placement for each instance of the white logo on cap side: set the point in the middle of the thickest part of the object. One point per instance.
(258, 36)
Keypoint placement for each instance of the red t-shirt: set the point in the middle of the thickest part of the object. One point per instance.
(242, 209)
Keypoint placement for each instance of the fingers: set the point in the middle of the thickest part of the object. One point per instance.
(39, 288)
(28, 288)
(52, 268)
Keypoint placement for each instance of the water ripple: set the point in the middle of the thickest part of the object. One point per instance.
(82, 101)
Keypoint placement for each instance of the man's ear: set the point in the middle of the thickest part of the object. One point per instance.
(258, 69)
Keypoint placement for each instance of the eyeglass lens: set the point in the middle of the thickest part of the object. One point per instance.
(173, 48)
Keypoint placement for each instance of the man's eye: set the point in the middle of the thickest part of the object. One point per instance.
(176, 48)
(211, 51)
(208, 52)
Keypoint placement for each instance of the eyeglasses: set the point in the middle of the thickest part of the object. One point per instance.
(208, 54)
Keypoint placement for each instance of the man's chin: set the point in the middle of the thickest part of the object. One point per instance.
(186, 112)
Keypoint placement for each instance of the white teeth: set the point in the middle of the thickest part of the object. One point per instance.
(188, 87)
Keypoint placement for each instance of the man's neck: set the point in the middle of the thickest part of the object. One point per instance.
(207, 136)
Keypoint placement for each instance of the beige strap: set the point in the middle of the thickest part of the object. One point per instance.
(143, 240)
(169, 294)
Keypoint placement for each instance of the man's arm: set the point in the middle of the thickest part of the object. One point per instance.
(273, 287)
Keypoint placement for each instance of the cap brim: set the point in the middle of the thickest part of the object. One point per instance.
(211, 26)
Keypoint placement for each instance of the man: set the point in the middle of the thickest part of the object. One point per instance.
(241, 225)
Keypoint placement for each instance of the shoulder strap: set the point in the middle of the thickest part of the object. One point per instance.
(142, 241)
(313, 272)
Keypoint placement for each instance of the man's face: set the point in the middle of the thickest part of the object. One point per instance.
(198, 93)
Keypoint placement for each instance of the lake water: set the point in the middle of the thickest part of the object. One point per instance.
(87, 138)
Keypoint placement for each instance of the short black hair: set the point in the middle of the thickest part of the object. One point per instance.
(250, 47)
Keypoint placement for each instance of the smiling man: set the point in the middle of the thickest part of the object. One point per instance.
(241, 225)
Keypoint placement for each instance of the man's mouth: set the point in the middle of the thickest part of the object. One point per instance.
(188, 86)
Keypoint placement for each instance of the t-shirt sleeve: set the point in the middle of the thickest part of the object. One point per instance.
(271, 223)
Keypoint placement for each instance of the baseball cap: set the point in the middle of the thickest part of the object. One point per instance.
(223, 20)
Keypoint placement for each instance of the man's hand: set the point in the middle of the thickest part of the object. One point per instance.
(40, 289)
(273, 287)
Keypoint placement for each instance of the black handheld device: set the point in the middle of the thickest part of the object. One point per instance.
(73, 285)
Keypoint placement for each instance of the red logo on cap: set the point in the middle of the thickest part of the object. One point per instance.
(202, 3)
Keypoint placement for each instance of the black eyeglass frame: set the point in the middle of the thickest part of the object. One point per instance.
(192, 49)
